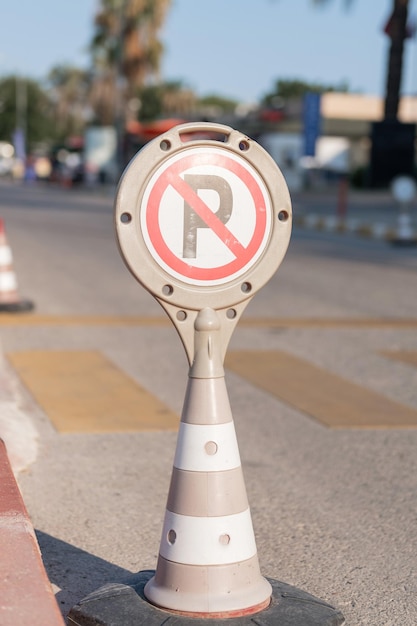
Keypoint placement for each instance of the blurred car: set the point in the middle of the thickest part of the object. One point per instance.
(7, 160)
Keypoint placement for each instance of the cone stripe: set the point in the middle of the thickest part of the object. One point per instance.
(209, 541)
(209, 494)
(8, 281)
(207, 448)
(6, 257)
(245, 589)
(9, 296)
(206, 402)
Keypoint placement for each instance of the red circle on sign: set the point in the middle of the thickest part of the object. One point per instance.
(171, 176)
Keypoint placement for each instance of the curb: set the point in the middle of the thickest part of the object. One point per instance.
(332, 223)
(26, 596)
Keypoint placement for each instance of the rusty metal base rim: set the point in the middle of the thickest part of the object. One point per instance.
(124, 604)
(251, 610)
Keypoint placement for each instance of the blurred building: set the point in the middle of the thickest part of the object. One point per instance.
(343, 145)
(352, 115)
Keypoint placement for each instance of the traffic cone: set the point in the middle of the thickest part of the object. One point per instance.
(10, 300)
(208, 563)
(207, 567)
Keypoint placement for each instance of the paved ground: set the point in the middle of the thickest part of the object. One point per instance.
(334, 510)
(365, 213)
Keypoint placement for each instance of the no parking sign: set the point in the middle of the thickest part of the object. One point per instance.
(203, 216)
(203, 222)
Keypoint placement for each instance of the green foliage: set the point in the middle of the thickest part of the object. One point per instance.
(295, 88)
(69, 78)
(68, 89)
(346, 3)
(225, 105)
(159, 100)
(8, 118)
(125, 38)
(151, 99)
(24, 103)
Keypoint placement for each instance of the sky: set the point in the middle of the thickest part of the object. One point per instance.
(234, 48)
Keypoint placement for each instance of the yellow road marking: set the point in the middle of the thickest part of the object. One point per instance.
(82, 391)
(294, 322)
(33, 319)
(405, 356)
(330, 399)
(22, 319)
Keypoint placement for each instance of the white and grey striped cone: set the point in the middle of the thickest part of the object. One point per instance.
(10, 300)
(208, 563)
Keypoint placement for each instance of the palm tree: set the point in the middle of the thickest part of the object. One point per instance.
(126, 51)
(68, 88)
(392, 151)
(396, 29)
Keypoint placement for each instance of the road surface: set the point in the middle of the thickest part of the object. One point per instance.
(333, 502)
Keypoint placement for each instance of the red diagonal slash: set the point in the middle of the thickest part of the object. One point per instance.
(206, 214)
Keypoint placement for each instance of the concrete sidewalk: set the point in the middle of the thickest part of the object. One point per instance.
(26, 595)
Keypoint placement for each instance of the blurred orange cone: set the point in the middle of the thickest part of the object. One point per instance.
(10, 302)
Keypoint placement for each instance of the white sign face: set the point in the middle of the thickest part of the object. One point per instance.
(403, 189)
(206, 216)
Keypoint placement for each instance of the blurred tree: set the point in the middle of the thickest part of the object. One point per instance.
(126, 53)
(297, 89)
(165, 99)
(151, 102)
(217, 104)
(68, 90)
(178, 100)
(397, 30)
(25, 105)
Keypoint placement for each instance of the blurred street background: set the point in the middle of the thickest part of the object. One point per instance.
(329, 88)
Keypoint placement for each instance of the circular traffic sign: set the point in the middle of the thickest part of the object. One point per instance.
(403, 189)
(203, 218)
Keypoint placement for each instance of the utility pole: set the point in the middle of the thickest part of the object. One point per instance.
(119, 87)
(396, 30)
(20, 134)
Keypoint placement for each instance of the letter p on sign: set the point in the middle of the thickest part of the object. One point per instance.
(205, 216)
(192, 220)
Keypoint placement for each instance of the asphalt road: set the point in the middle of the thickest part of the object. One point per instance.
(334, 510)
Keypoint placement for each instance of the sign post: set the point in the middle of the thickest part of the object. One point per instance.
(312, 119)
(203, 220)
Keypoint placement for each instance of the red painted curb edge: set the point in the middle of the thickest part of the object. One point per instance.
(26, 596)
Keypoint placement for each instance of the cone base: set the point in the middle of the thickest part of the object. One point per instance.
(125, 605)
(403, 241)
(221, 614)
(20, 306)
(228, 590)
